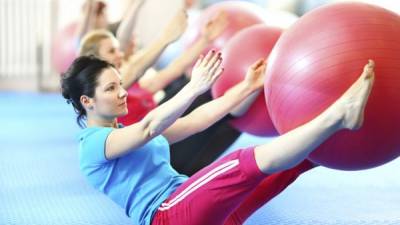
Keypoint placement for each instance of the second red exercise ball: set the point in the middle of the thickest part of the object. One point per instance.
(238, 55)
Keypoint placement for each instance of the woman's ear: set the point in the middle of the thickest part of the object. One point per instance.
(86, 102)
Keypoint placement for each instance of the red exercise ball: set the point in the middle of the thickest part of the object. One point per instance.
(318, 59)
(241, 51)
(240, 15)
(64, 48)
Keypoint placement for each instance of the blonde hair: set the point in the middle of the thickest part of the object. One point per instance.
(89, 44)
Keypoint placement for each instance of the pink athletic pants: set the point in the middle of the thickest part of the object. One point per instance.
(226, 192)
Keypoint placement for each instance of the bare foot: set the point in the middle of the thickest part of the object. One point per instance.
(352, 103)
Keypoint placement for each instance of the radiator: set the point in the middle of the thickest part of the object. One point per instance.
(26, 30)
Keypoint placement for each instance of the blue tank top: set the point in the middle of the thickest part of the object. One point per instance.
(138, 181)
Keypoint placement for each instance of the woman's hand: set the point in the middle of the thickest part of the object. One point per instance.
(215, 26)
(255, 74)
(206, 71)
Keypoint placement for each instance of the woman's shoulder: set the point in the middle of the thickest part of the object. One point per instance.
(89, 132)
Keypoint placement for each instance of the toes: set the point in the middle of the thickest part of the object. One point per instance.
(369, 69)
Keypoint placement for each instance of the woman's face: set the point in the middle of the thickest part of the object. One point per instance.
(109, 51)
(109, 101)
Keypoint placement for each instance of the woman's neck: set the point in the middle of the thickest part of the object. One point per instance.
(97, 122)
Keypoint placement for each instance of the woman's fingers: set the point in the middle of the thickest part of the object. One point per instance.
(206, 59)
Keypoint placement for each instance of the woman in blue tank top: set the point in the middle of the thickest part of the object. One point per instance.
(131, 164)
